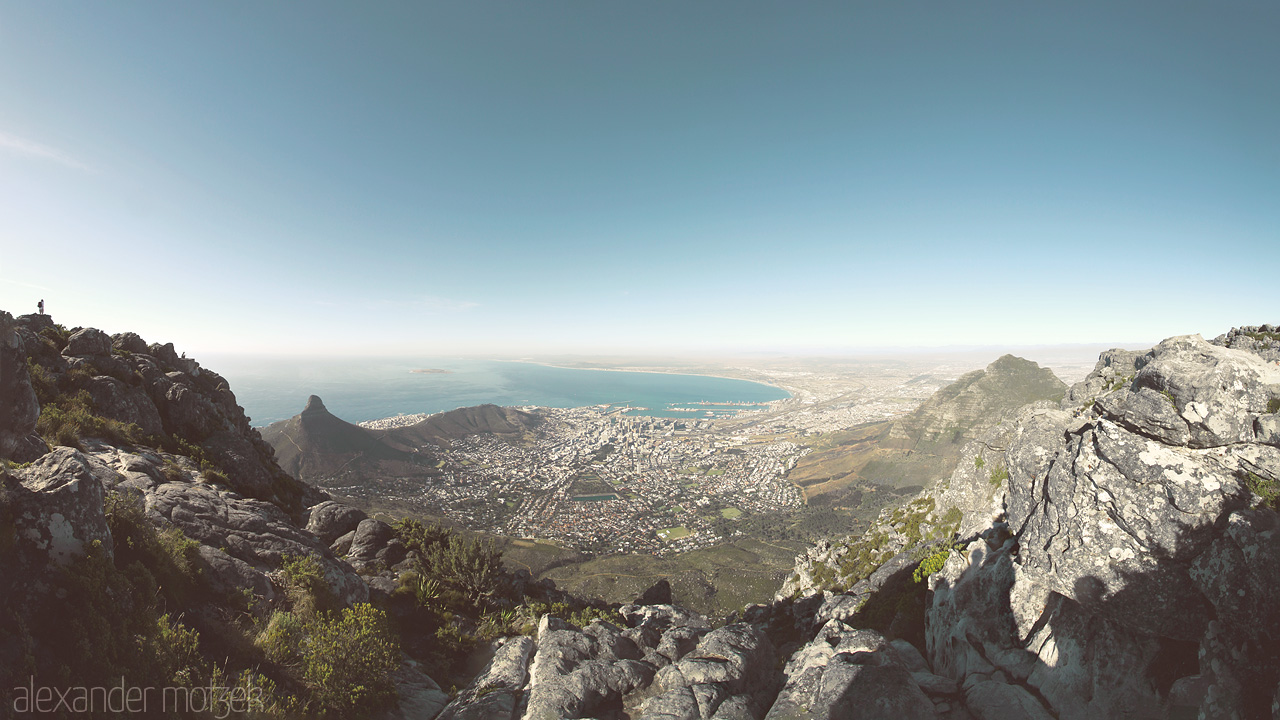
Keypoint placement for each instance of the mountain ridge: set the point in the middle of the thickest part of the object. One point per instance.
(320, 447)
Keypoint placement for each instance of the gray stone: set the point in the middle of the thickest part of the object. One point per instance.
(229, 576)
(910, 656)
(62, 512)
(331, 520)
(935, 685)
(418, 697)
(129, 342)
(370, 538)
(1109, 374)
(1189, 691)
(88, 342)
(128, 404)
(732, 663)
(342, 545)
(497, 692)
(576, 673)
(1240, 575)
(847, 673)
(998, 701)
(677, 642)
(661, 617)
(19, 407)
(253, 531)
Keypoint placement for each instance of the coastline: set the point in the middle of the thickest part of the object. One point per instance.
(789, 391)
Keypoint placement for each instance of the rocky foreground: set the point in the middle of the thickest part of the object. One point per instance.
(1116, 555)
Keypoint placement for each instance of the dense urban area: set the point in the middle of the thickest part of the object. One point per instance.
(604, 479)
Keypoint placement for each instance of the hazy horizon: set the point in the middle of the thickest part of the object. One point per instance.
(598, 179)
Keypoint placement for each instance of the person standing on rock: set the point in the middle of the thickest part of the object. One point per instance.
(40, 306)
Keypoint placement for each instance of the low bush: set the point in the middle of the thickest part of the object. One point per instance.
(999, 474)
(1268, 490)
(347, 661)
(931, 564)
(472, 567)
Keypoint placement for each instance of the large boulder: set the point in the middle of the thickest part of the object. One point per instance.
(253, 531)
(62, 513)
(731, 675)
(129, 342)
(88, 342)
(848, 673)
(577, 673)
(370, 543)
(331, 520)
(496, 693)
(1190, 392)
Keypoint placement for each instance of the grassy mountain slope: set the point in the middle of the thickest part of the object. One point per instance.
(916, 450)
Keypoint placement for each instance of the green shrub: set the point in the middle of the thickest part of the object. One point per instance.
(863, 558)
(473, 567)
(420, 538)
(168, 554)
(70, 418)
(999, 474)
(347, 661)
(978, 462)
(911, 515)
(590, 614)
(281, 638)
(950, 522)
(54, 338)
(1273, 405)
(306, 587)
(931, 564)
(1268, 490)
(499, 624)
(108, 626)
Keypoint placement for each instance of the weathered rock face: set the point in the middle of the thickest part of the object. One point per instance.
(848, 673)
(1114, 368)
(54, 514)
(1262, 340)
(374, 546)
(19, 408)
(256, 533)
(498, 692)
(1133, 543)
(128, 342)
(167, 396)
(1189, 392)
(667, 663)
(581, 673)
(730, 674)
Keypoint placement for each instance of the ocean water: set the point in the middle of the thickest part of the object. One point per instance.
(356, 390)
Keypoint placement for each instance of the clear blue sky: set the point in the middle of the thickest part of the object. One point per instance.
(600, 177)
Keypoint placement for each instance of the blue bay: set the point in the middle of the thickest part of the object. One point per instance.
(357, 390)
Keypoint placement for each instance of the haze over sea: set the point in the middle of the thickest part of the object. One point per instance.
(361, 389)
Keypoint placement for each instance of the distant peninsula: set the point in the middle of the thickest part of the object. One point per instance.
(432, 371)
